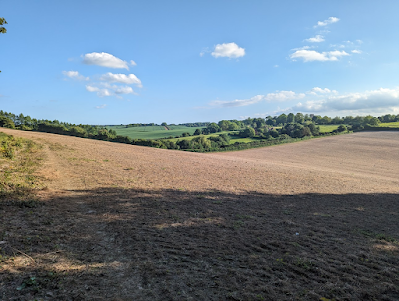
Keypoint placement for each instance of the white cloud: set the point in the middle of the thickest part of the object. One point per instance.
(121, 78)
(316, 39)
(101, 106)
(370, 101)
(312, 55)
(91, 88)
(123, 90)
(133, 63)
(74, 75)
(330, 20)
(356, 51)
(279, 96)
(105, 60)
(317, 90)
(303, 48)
(283, 96)
(100, 92)
(336, 53)
(230, 50)
(109, 90)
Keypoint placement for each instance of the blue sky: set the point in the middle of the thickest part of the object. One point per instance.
(118, 62)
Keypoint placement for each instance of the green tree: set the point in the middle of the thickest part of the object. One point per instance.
(299, 118)
(2, 28)
(315, 130)
(370, 120)
(213, 128)
(270, 120)
(233, 126)
(290, 118)
(197, 132)
(247, 133)
(6, 122)
(201, 142)
(282, 119)
(224, 124)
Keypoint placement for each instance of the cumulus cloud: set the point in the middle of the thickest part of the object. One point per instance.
(317, 90)
(316, 39)
(105, 60)
(369, 101)
(74, 75)
(230, 50)
(101, 106)
(330, 20)
(312, 55)
(356, 51)
(279, 96)
(106, 89)
(100, 92)
(121, 78)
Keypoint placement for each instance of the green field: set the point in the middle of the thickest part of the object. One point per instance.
(328, 128)
(389, 125)
(151, 132)
(158, 132)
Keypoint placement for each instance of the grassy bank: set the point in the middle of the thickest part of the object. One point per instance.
(19, 159)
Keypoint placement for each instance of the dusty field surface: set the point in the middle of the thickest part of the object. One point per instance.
(314, 220)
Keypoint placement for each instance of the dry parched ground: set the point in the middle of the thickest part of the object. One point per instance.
(315, 220)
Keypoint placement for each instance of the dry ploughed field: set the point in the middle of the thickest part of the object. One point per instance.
(313, 220)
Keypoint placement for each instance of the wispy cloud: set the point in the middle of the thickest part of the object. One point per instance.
(312, 55)
(230, 50)
(368, 101)
(105, 60)
(121, 78)
(356, 51)
(316, 39)
(74, 75)
(101, 106)
(330, 20)
(279, 96)
(123, 90)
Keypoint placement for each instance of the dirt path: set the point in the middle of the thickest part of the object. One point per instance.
(299, 221)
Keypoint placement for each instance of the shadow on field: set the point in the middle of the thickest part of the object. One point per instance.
(126, 244)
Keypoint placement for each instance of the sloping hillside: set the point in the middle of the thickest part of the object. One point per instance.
(302, 221)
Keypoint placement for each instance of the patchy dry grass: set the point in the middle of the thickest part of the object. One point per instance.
(18, 162)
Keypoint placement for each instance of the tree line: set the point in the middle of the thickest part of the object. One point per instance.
(262, 131)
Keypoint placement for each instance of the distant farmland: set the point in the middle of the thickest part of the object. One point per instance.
(389, 124)
(152, 132)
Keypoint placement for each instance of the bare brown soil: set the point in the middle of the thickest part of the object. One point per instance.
(302, 221)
